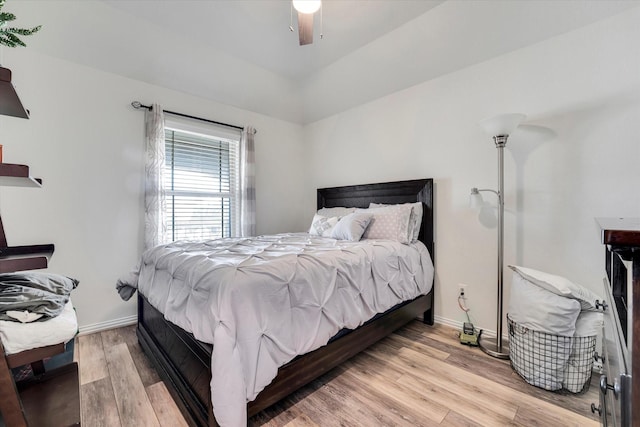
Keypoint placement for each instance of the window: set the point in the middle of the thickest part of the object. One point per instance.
(200, 181)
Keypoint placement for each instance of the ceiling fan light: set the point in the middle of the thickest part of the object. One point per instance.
(307, 6)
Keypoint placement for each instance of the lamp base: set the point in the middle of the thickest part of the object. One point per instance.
(491, 348)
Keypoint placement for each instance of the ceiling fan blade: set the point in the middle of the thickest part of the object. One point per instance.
(305, 28)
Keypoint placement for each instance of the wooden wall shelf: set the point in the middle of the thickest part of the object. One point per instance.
(20, 258)
(17, 176)
(50, 398)
(22, 264)
(9, 252)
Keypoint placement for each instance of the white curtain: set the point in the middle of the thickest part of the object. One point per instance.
(154, 202)
(247, 183)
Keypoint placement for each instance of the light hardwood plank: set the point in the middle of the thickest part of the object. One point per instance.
(451, 383)
(322, 406)
(370, 365)
(539, 413)
(444, 334)
(277, 415)
(483, 414)
(282, 412)
(473, 360)
(454, 419)
(500, 371)
(418, 346)
(133, 403)
(419, 376)
(127, 335)
(419, 405)
(496, 396)
(112, 337)
(366, 409)
(354, 406)
(301, 421)
(93, 364)
(388, 413)
(99, 408)
(165, 408)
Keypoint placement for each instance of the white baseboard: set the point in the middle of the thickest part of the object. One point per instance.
(109, 324)
(458, 325)
(448, 322)
(132, 320)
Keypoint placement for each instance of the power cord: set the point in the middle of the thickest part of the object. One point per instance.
(468, 334)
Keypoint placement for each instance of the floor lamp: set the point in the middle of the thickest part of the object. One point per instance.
(499, 127)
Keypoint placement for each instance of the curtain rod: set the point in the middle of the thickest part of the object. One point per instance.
(138, 105)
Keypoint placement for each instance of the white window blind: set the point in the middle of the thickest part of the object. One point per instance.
(201, 181)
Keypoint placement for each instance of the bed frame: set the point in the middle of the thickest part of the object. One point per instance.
(184, 362)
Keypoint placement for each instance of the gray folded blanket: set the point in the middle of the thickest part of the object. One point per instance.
(40, 293)
(128, 284)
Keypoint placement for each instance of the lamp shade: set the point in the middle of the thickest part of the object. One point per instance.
(475, 199)
(503, 124)
(307, 6)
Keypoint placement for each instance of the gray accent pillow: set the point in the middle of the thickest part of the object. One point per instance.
(351, 227)
(414, 222)
(389, 223)
(322, 225)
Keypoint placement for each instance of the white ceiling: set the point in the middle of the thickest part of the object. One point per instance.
(242, 53)
(258, 30)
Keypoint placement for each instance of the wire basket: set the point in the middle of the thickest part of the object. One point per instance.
(551, 362)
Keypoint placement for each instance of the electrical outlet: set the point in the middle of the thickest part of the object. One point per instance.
(462, 288)
(597, 366)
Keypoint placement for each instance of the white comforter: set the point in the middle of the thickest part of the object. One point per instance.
(262, 301)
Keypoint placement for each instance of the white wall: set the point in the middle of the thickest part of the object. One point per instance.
(575, 159)
(86, 142)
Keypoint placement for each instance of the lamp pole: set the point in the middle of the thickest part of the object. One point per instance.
(499, 127)
(499, 349)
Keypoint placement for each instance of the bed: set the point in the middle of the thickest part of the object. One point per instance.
(184, 363)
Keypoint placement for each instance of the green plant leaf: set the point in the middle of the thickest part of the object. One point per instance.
(6, 16)
(24, 31)
(7, 42)
(8, 35)
(15, 39)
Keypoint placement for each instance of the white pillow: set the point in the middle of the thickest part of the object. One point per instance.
(389, 223)
(536, 308)
(414, 222)
(589, 324)
(559, 286)
(351, 227)
(578, 369)
(322, 225)
(338, 211)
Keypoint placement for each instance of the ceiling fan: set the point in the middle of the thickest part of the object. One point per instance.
(306, 9)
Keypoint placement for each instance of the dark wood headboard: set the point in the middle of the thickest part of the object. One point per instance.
(359, 196)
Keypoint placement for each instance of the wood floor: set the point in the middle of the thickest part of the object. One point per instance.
(419, 376)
